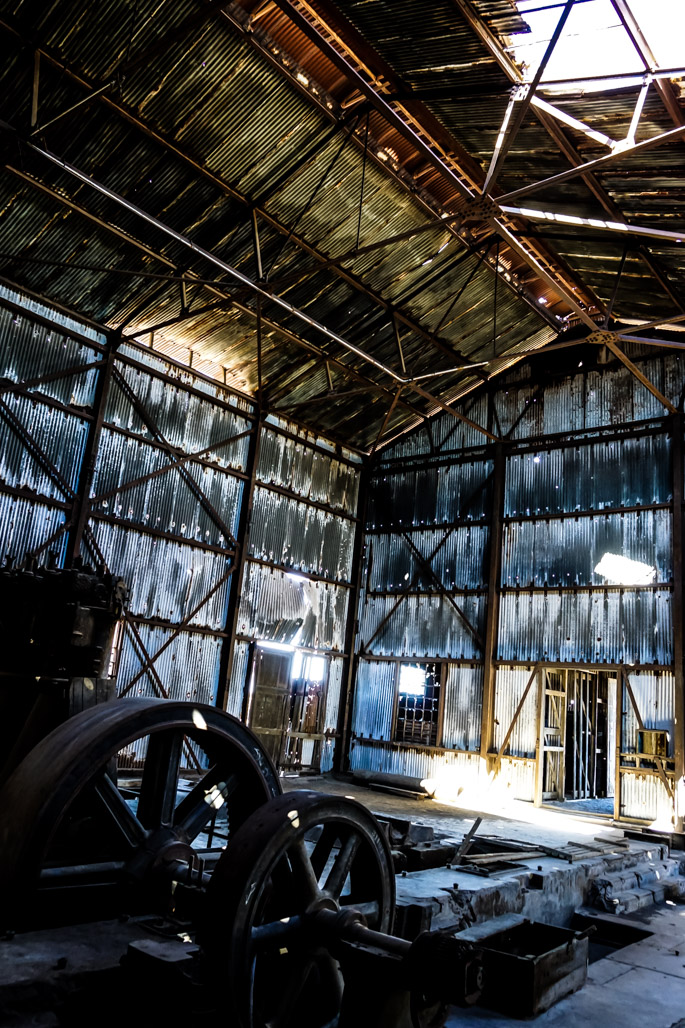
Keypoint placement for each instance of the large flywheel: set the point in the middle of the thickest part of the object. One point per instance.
(302, 858)
(120, 805)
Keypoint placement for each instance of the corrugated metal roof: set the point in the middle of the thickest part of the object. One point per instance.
(203, 116)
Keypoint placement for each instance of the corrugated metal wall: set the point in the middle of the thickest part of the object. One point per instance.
(586, 470)
(171, 474)
(41, 427)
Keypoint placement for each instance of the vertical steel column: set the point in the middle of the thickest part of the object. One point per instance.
(341, 752)
(81, 509)
(492, 616)
(677, 423)
(243, 537)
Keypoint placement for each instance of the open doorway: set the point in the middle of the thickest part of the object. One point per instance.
(285, 704)
(578, 739)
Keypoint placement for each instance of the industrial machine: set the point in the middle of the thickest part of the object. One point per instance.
(272, 909)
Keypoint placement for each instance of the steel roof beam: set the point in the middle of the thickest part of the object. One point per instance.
(170, 146)
(622, 227)
(591, 166)
(524, 100)
(403, 127)
(255, 288)
(514, 75)
(644, 51)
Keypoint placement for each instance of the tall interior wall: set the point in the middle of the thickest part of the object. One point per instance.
(182, 477)
(481, 556)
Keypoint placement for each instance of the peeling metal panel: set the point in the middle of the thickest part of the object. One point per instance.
(312, 475)
(188, 667)
(61, 437)
(655, 697)
(510, 684)
(374, 699)
(164, 502)
(273, 606)
(458, 564)
(301, 537)
(25, 525)
(166, 579)
(462, 709)
(430, 495)
(236, 686)
(333, 694)
(565, 551)
(645, 798)
(618, 473)
(632, 626)
(423, 626)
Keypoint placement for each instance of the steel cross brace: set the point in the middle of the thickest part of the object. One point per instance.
(428, 560)
(176, 463)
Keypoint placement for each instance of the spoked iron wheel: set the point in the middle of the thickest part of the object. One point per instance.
(303, 857)
(75, 845)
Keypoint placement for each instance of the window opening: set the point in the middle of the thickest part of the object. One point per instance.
(595, 42)
(418, 704)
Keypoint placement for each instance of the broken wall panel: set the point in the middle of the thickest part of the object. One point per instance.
(566, 551)
(632, 626)
(423, 626)
(177, 579)
(301, 537)
(279, 607)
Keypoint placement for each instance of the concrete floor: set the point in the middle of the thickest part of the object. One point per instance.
(506, 820)
(639, 986)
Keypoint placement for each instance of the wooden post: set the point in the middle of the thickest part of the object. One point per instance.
(81, 509)
(492, 615)
(243, 535)
(342, 745)
(678, 613)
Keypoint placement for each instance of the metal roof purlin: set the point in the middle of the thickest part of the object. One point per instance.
(404, 127)
(253, 286)
(133, 118)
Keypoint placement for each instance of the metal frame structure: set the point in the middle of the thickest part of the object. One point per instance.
(494, 748)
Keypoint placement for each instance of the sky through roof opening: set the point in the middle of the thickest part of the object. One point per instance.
(594, 42)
